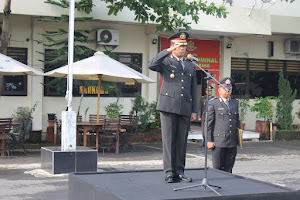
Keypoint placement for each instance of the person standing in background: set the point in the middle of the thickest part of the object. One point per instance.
(202, 109)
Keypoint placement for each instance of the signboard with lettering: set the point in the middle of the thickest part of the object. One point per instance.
(90, 90)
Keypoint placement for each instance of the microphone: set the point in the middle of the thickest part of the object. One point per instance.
(192, 58)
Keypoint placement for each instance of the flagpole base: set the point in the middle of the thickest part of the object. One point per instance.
(68, 132)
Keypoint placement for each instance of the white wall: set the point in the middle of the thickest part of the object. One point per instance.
(137, 39)
(39, 8)
(250, 117)
(278, 8)
(133, 39)
(20, 30)
(256, 47)
(100, 10)
(259, 22)
(237, 22)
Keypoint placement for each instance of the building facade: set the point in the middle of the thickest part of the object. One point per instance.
(255, 42)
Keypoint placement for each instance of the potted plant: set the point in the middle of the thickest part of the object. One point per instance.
(265, 110)
(113, 110)
(243, 108)
(23, 116)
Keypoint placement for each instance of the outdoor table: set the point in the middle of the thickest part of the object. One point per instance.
(4, 136)
(87, 126)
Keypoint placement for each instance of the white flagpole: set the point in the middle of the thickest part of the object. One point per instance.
(71, 53)
(68, 141)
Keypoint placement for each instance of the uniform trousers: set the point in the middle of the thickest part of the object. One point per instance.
(223, 158)
(174, 137)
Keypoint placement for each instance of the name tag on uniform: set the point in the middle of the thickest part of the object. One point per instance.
(221, 108)
(173, 66)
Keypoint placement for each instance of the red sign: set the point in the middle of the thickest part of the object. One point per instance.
(207, 51)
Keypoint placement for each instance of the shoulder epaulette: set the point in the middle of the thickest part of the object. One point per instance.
(213, 98)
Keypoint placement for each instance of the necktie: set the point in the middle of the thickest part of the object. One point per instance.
(182, 64)
(227, 102)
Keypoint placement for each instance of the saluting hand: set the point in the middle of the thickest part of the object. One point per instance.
(172, 48)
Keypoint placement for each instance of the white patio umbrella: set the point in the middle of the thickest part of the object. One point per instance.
(101, 67)
(10, 66)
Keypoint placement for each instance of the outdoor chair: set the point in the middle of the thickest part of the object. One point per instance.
(79, 129)
(5, 128)
(79, 118)
(53, 133)
(93, 119)
(110, 134)
(20, 135)
(128, 137)
(125, 119)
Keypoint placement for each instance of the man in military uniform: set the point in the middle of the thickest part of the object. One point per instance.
(177, 104)
(202, 109)
(223, 121)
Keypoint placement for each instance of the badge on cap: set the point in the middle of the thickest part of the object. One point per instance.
(179, 38)
(182, 36)
(228, 81)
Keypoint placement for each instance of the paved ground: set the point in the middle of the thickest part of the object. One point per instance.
(273, 162)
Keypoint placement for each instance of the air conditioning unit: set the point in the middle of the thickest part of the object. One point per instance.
(108, 37)
(292, 46)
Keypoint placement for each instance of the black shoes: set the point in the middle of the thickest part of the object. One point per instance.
(169, 179)
(182, 178)
(179, 178)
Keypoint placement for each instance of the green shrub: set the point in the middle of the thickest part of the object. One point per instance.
(147, 113)
(243, 107)
(284, 106)
(264, 107)
(24, 113)
(113, 110)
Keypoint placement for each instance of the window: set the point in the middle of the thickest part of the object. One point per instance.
(89, 88)
(262, 84)
(134, 61)
(16, 85)
(49, 82)
(259, 78)
(239, 88)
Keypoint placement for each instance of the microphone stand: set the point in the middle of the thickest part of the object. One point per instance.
(205, 182)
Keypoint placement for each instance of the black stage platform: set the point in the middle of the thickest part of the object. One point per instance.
(146, 185)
